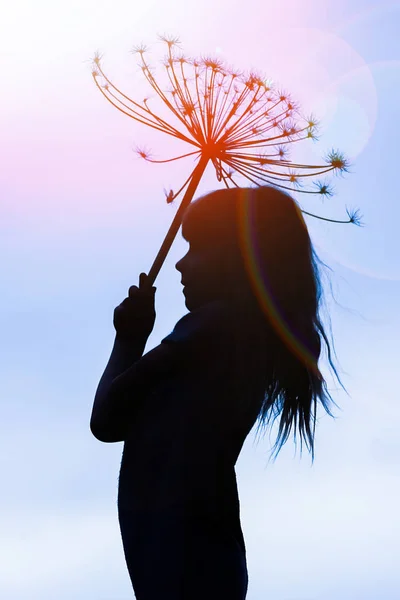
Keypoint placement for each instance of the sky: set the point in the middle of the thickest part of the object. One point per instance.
(81, 216)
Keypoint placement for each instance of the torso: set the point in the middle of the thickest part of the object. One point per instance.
(179, 458)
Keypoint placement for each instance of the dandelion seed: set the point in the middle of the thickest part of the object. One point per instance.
(140, 49)
(282, 152)
(325, 189)
(337, 161)
(143, 153)
(355, 217)
(295, 178)
(311, 135)
(213, 64)
(171, 41)
(169, 196)
(312, 122)
(97, 57)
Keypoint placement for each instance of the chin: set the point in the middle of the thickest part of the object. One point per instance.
(191, 303)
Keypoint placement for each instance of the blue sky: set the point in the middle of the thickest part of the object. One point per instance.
(81, 217)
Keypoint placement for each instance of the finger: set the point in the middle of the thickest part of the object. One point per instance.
(132, 290)
(144, 284)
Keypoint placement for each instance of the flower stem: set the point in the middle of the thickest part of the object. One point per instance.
(169, 238)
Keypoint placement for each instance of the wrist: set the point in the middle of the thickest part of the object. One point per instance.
(130, 346)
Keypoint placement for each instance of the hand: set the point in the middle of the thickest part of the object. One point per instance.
(134, 318)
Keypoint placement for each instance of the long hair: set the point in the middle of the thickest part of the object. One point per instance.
(276, 281)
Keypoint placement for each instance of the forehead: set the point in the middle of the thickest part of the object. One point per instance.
(185, 232)
(193, 224)
(203, 217)
(210, 221)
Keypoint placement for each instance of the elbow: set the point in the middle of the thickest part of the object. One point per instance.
(100, 420)
(97, 432)
(110, 419)
(105, 434)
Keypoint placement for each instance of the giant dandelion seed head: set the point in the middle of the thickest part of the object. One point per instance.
(229, 118)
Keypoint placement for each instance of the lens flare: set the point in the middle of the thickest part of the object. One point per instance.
(259, 280)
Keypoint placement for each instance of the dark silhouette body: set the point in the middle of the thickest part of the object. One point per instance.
(184, 409)
(183, 430)
(178, 502)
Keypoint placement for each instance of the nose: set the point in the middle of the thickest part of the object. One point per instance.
(177, 266)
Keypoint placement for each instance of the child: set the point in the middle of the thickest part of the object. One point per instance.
(248, 348)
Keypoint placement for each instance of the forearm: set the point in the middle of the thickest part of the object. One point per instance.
(122, 357)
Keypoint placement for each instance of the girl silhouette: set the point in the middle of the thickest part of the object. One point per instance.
(247, 349)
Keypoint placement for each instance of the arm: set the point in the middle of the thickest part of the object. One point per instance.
(126, 383)
(123, 356)
(133, 321)
(130, 377)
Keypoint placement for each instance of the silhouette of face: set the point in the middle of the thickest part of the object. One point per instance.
(204, 273)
